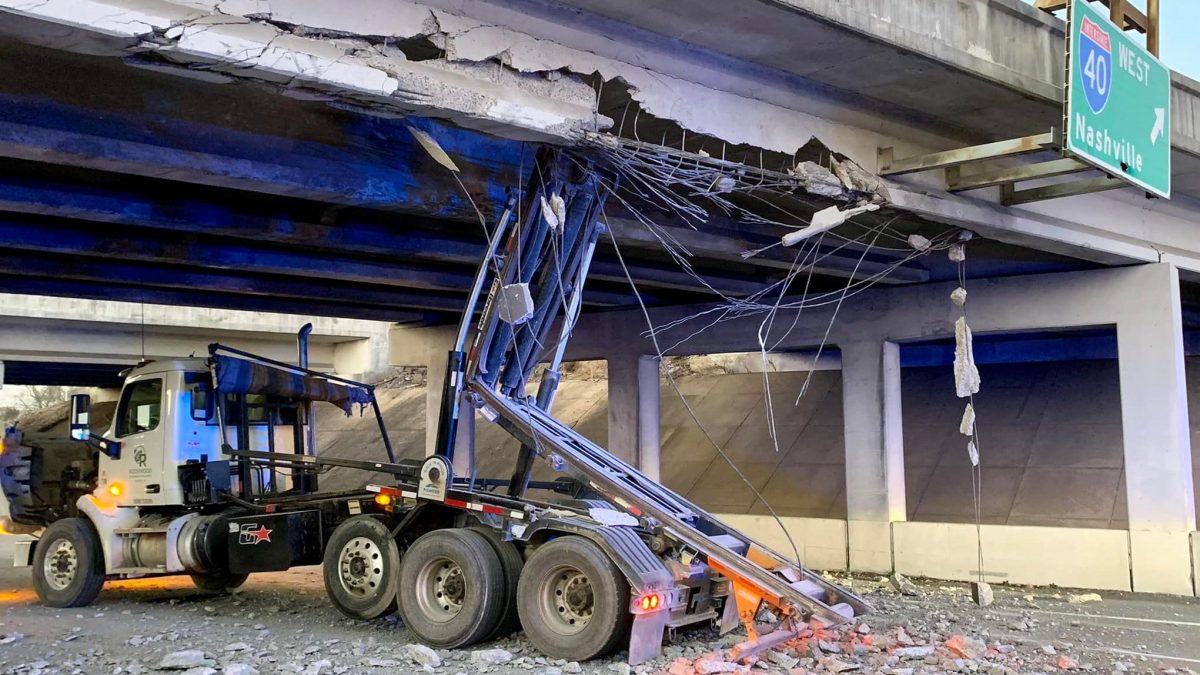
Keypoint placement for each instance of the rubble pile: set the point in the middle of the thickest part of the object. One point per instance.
(282, 623)
(894, 652)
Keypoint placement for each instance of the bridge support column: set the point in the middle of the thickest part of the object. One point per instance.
(1154, 418)
(633, 411)
(429, 347)
(874, 440)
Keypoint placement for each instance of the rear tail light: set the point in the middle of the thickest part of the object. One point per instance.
(649, 602)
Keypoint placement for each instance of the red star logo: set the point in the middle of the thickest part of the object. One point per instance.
(260, 535)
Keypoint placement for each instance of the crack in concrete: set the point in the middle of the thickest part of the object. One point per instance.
(31, 7)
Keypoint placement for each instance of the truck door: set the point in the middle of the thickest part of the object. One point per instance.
(135, 478)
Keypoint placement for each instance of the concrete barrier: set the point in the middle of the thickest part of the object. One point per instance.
(1084, 558)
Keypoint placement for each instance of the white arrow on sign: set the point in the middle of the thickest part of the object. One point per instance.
(1160, 123)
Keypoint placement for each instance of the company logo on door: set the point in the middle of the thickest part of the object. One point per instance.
(253, 533)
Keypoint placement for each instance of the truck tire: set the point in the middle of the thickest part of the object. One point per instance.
(361, 568)
(218, 581)
(452, 588)
(68, 565)
(574, 602)
(511, 564)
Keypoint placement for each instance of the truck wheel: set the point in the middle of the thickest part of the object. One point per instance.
(452, 588)
(511, 563)
(360, 568)
(68, 565)
(573, 600)
(218, 581)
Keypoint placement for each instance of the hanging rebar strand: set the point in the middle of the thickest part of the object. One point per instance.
(529, 252)
(581, 224)
(549, 299)
(490, 335)
(581, 230)
(532, 256)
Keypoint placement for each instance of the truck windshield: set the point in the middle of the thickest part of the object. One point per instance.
(140, 407)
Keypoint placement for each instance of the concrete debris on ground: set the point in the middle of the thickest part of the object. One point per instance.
(184, 660)
(283, 624)
(903, 585)
(981, 593)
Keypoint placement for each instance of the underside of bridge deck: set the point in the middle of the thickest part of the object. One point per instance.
(126, 184)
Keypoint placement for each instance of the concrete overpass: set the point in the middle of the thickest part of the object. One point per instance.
(256, 155)
(86, 343)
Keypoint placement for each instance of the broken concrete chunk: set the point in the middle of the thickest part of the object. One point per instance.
(911, 653)
(829, 646)
(188, 658)
(818, 180)
(903, 585)
(1084, 598)
(1067, 663)
(854, 177)
(966, 647)
(782, 660)
(967, 426)
(959, 296)
(834, 665)
(421, 655)
(492, 657)
(981, 591)
(966, 374)
(918, 242)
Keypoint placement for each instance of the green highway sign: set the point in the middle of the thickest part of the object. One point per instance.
(1118, 112)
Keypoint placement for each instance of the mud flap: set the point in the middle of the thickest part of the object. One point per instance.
(23, 553)
(645, 640)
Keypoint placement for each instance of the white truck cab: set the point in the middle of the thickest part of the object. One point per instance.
(162, 421)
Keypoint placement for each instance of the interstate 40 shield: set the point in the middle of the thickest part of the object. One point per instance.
(1118, 103)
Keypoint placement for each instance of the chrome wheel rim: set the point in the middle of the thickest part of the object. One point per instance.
(441, 588)
(360, 567)
(568, 601)
(61, 564)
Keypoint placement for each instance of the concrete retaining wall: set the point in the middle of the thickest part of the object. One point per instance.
(1052, 455)
(1050, 436)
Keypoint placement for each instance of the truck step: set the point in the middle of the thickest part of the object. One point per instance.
(138, 570)
(690, 619)
(140, 530)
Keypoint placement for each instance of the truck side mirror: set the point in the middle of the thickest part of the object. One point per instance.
(81, 405)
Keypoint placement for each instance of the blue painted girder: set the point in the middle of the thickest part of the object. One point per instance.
(379, 166)
(84, 239)
(220, 216)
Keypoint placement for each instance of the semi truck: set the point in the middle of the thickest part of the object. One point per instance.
(208, 468)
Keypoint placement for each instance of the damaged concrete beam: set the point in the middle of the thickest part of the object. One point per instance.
(365, 70)
(520, 69)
